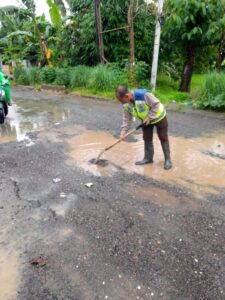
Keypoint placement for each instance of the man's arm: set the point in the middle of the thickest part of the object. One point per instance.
(126, 123)
(154, 104)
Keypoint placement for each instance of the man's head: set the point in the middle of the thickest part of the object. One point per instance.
(123, 94)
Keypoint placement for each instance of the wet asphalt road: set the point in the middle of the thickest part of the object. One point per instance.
(104, 242)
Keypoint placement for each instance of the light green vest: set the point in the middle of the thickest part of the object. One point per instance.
(140, 110)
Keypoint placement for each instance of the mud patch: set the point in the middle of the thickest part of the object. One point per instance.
(162, 198)
(192, 168)
(9, 275)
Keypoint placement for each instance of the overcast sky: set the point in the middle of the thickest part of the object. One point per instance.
(41, 6)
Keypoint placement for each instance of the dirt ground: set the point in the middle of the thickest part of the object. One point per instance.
(73, 230)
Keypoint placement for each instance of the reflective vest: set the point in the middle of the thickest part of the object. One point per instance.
(140, 109)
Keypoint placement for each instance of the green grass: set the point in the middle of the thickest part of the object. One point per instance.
(212, 92)
(167, 90)
(197, 81)
(102, 81)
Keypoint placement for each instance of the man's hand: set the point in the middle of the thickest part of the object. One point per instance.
(122, 137)
(146, 121)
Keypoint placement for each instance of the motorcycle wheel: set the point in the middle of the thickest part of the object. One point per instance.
(6, 109)
(2, 116)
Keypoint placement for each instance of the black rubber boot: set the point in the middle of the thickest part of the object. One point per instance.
(166, 150)
(149, 152)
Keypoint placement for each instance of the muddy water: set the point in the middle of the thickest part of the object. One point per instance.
(193, 168)
(9, 275)
(27, 116)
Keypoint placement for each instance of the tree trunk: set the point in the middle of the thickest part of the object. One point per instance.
(221, 52)
(188, 69)
(130, 21)
(99, 31)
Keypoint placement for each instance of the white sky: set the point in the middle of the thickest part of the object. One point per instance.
(41, 6)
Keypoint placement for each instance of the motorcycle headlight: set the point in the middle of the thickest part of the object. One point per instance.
(2, 94)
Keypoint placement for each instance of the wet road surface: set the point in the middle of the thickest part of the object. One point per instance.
(136, 232)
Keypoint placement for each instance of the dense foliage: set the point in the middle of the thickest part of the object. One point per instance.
(212, 93)
(193, 39)
(192, 26)
(99, 77)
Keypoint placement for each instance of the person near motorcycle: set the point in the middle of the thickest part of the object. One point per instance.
(5, 85)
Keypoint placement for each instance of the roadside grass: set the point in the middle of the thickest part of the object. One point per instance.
(211, 95)
(101, 81)
(166, 90)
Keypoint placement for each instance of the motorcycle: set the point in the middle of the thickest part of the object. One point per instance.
(3, 102)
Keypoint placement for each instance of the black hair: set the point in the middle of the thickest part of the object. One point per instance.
(122, 90)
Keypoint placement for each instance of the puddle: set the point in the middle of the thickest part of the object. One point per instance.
(27, 116)
(192, 167)
(9, 275)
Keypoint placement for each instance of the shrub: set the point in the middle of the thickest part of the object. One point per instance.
(103, 78)
(35, 75)
(170, 70)
(142, 73)
(21, 75)
(48, 74)
(212, 92)
(80, 76)
(63, 76)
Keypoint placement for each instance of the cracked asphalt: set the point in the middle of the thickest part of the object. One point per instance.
(106, 241)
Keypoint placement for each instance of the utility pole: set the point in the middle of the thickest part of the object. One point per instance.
(156, 45)
(99, 30)
(130, 21)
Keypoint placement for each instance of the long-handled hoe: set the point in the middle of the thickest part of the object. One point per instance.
(97, 160)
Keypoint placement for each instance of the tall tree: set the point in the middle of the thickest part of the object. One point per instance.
(192, 25)
(98, 21)
(221, 49)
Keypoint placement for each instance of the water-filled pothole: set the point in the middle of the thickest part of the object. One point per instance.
(27, 116)
(192, 167)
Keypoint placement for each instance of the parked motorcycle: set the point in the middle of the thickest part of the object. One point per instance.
(4, 99)
(3, 105)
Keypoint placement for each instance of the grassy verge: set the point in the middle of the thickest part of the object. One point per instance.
(101, 81)
(166, 90)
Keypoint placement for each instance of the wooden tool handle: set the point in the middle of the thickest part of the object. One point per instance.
(126, 135)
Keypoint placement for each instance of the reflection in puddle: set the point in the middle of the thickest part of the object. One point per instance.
(9, 275)
(192, 167)
(27, 116)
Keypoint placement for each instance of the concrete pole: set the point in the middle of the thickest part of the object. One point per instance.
(156, 46)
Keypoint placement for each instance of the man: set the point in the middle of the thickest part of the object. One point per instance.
(5, 85)
(145, 106)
